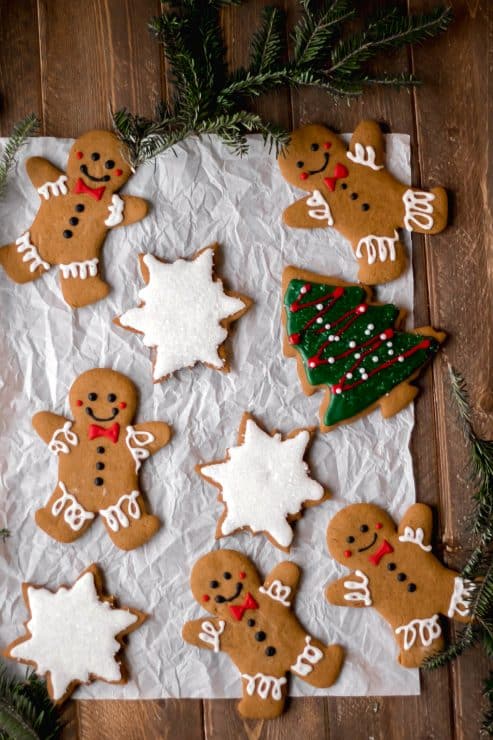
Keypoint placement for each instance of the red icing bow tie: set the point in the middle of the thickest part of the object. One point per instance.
(339, 173)
(238, 611)
(81, 187)
(384, 549)
(112, 432)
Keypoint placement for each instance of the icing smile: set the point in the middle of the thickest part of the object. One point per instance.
(322, 168)
(83, 169)
(362, 549)
(99, 418)
(221, 599)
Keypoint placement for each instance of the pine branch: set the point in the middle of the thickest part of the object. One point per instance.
(26, 711)
(4, 534)
(22, 130)
(487, 725)
(267, 46)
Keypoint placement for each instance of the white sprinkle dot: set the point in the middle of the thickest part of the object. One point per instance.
(320, 320)
(337, 338)
(367, 332)
(349, 376)
(352, 344)
(364, 377)
(383, 336)
(401, 358)
(331, 360)
(319, 306)
(312, 364)
(331, 337)
(389, 344)
(357, 355)
(327, 326)
(338, 391)
(390, 352)
(362, 370)
(374, 358)
(371, 326)
(303, 290)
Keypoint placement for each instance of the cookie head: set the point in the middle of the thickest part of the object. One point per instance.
(98, 158)
(312, 154)
(103, 397)
(224, 581)
(357, 533)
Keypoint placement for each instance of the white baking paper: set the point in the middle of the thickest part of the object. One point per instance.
(199, 193)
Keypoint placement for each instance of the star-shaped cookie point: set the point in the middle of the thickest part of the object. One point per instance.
(264, 483)
(74, 634)
(184, 313)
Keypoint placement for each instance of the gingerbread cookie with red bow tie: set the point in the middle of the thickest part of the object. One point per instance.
(77, 210)
(396, 573)
(99, 455)
(254, 623)
(352, 190)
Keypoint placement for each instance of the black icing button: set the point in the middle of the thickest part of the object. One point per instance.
(79, 207)
(401, 576)
(251, 623)
(391, 566)
(98, 481)
(353, 196)
(343, 185)
(270, 651)
(100, 450)
(99, 466)
(411, 587)
(260, 636)
(67, 234)
(365, 207)
(73, 220)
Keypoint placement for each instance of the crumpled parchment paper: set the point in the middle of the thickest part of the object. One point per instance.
(199, 193)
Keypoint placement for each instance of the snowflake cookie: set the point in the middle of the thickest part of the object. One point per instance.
(184, 313)
(264, 483)
(74, 635)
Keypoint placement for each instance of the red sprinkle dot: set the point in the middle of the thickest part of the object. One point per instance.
(338, 292)
(118, 172)
(79, 155)
(79, 403)
(327, 145)
(304, 176)
(206, 597)
(424, 344)
(347, 553)
(294, 338)
(122, 405)
(378, 525)
(242, 574)
(295, 306)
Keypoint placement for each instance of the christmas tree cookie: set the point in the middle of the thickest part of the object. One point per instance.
(351, 346)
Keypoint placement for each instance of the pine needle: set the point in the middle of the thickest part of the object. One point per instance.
(22, 130)
(26, 710)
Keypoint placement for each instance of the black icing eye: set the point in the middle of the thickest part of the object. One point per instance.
(350, 538)
(314, 147)
(95, 156)
(363, 528)
(227, 576)
(109, 164)
(92, 396)
(270, 651)
(214, 584)
(300, 164)
(111, 397)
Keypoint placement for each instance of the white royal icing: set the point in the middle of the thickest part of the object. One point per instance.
(82, 270)
(416, 536)
(140, 440)
(418, 209)
(381, 248)
(305, 661)
(423, 630)
(278, 592)
(116, 517)
(264, 685)
(210, 634)
(74, 515)
(459, 603)
(359, 590)
(56, 188)
(364, 155)
(57, 445)
(73, 635)
(320, 209)
(116, 211)
(264, 480)
(182, 313)
(30, 253)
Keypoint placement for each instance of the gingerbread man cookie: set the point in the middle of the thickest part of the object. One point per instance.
(74, 635)
(396, 573)
(351, 346)
(77, 209)
(99, 457)
(254, 623)
(351, 190)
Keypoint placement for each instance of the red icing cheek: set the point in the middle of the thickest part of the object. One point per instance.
(242, 575)
(206, 597)
(327, 145)
(304, 176)
(347, 553)
(79, 155)
(79, 403)
(122, 405)
(118, 172)
(378, 525)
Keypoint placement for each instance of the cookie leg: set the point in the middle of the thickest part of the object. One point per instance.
(22, 261)
(63, 518)
(416, 655)
(81, 283)
(398, 398)
(263, 696)
(381, 258)
(425, 212)
(128, 523)
(318, 664)
(418, 640)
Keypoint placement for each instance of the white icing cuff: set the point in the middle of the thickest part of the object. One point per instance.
(82, 270)
(210, 634)
(115, 516)
(418, 210)
(307, 659)
(459, 603)
(421, 630)
(57, 445)
(320, 209)
(115, 209)
(140, 439)
(416, 537)
(381, 248)
(264, 686)
(365, 156)
(30, 253)
(278, 592)
(56, 188)
(74, 515)
(359, 590)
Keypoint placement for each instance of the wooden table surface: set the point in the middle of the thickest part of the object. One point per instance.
(71, 61)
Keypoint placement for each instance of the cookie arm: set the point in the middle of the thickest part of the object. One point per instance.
(371, 149)
(159, 430)
(296, 215)
(417, 526)
(134, 209)
(46, 423)
(40, 171)
(204, 633)
(348, 591)
(282, 582)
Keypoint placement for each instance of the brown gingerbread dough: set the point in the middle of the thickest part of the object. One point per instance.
(352, 190)
(254, 623)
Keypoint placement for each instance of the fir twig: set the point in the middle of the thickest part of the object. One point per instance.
(4, 533)
(325, 53)
(22, 130)
(26, 710)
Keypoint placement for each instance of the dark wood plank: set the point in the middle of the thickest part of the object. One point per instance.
(20, 89)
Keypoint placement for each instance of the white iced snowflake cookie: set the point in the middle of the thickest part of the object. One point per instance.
(264, 483)
(74, 635)
(184, 313)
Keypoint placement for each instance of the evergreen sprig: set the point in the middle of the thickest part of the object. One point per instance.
(323, 52)
(479, 566)
(4, 533)
(22, 130)
(26, 710)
